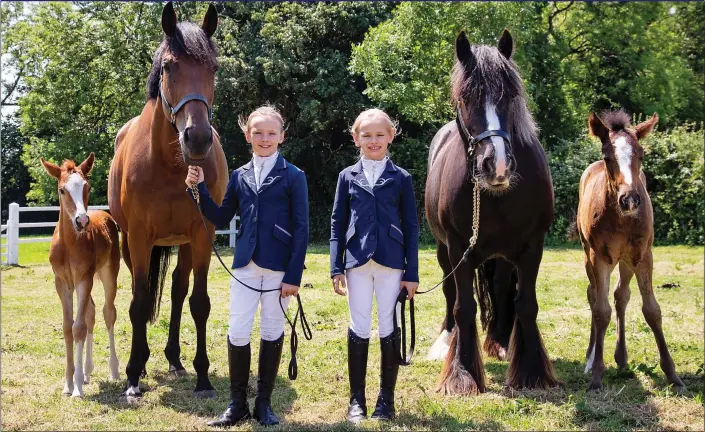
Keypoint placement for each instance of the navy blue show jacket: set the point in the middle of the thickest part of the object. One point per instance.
(273, 221)
(376, 222)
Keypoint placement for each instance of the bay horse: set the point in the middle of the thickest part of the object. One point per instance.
(84, 244)
(615, 223)
(148, 199)
(492, 146)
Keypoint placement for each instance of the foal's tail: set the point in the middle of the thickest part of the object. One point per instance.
(573, 230)
(158, 266)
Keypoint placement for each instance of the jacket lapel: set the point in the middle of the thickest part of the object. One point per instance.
(359, 177)
(249, 177)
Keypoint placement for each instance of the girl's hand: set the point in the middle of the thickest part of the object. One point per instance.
(288, 289)
(411, 288)
(195, 175)
(339, 284)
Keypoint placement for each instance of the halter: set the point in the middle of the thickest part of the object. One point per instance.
(182, 102)
(471, 141)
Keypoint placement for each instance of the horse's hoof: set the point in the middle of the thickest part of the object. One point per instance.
(679, 389)
(458, 382)
(175, 373)
(595, 386)
(204, 394)
(77, 394)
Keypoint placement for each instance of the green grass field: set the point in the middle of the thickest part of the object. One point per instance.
(33, 358)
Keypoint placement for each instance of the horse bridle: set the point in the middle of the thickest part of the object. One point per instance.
(188, 98)
(472, 141)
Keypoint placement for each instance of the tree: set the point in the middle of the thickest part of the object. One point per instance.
(15, 176)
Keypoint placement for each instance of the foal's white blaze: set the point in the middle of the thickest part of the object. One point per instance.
(78, 372)
(624, 158)
(440, 347)
(588, 366)
(74, 186)
(500, 153)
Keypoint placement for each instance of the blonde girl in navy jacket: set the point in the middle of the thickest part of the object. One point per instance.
(272, 198)
(373, 249)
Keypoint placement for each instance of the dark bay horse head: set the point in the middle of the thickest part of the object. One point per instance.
(491, 107)
(183, 76)
(73, 189)
(622, 155)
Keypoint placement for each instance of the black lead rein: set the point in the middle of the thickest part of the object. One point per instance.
(305, 328)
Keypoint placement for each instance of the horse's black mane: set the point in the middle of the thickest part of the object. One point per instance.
(616, 120)
(190, 40)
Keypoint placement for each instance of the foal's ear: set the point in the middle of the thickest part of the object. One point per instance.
(51, 169)
(598, 129)
(210, 21)
(643, 129)
(169, 20)
(506, 44)
(463, 51)
(87, 165)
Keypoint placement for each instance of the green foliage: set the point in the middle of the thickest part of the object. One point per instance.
(15, 177)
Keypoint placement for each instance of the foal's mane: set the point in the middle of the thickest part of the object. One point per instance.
(496, 77)
(189, 40)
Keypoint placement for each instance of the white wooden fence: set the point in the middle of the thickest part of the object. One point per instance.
(11, 231)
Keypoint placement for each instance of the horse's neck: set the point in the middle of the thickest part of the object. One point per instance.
(164, 138)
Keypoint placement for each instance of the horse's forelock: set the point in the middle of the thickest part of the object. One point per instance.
(189, 41)
(498, 79)
(616, 120)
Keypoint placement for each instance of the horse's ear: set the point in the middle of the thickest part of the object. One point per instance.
(87, 165)
(169, 20)
(51, 169)
(644, 128)
(210, 21)
(463, 51)
(598, 129)
(506, 44)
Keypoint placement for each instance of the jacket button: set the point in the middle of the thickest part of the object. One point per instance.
(252, 239)
(254, 219)
(371, 218)
(373, 237)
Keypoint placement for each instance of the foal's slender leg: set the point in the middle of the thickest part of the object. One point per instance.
(621, 298)
(589, 354)
(652, 313)
(140, 308)
(439, 349)
(200, 305)
(529, 365)
(601, 315)
(65, 293)
(463, 371)
(80, 330)
(108, 277)
(179, 289)
(90, 323)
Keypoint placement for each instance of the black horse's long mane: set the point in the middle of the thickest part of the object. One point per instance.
(497, 79)
(189, 40)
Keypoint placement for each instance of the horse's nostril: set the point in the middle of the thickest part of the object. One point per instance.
(637, 199)
(487, 165)
(186, 132)
(623, 202)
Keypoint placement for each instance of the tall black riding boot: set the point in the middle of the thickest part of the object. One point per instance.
(239, 366)
(357, 369)
(384, 410)
(270, 354)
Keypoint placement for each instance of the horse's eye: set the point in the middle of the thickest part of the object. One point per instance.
(61, 191)
(166, 67)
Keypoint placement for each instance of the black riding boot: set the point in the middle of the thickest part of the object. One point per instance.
(357, 369)
(239, 365)
(384, 410)
(270, 354)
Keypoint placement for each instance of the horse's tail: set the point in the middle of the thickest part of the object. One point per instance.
(158, 266)
(484, 289)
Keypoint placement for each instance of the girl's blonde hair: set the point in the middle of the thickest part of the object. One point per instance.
(372, 113)
(264, 110)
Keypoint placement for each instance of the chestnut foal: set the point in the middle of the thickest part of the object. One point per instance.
(84, 244)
